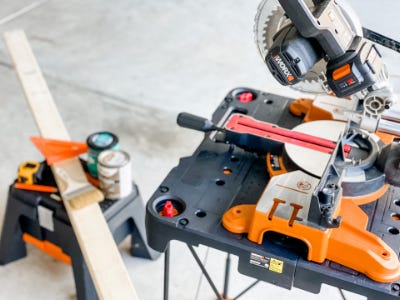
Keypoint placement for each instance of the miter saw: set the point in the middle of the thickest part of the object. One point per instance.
(298, 206)
(344, 156)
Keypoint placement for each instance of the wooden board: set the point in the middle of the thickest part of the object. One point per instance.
(101, 254)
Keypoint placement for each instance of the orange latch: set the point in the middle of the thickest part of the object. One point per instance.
(48, 248)
(341, 72)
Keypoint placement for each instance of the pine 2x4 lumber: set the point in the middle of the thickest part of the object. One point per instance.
(108, 272)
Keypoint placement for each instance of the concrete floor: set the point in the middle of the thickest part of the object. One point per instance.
(130, 66)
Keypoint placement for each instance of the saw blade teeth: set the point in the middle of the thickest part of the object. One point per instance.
(268, 24)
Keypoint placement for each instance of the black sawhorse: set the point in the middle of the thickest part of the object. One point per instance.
(45, 219)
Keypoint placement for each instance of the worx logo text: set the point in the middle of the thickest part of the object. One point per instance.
(284, 68)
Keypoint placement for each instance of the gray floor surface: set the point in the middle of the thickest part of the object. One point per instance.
(130, 66)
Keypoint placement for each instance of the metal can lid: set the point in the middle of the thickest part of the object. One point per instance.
(113, 158)
(102, 140)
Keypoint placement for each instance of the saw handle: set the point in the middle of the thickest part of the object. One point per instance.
(194, 122)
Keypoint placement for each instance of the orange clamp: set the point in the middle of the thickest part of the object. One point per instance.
(57, 150)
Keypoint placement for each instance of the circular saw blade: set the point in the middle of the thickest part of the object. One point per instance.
(271, 18)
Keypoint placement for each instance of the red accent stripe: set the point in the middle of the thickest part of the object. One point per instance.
(245, 124)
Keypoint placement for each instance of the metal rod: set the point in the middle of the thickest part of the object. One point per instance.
(342, 294)
(166, 272)
(391, 115)
(227, 275)
(246, 289)
(390, 127)
(206, 275)
(204, 262)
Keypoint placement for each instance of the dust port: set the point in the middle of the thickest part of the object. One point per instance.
(244, 95)
(169, 207)
(397, 202)
(393, 230)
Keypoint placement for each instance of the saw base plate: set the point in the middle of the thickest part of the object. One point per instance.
(205, 191)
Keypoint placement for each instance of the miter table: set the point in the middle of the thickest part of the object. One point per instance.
(218, 176)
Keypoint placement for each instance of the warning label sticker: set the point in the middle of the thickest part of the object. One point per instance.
(272, 264)
(276, 265)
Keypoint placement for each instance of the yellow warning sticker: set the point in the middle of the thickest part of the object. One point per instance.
(276, 265)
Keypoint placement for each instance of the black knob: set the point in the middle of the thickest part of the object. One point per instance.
(190, 121)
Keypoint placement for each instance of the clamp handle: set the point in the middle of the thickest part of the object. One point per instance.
(194, 122)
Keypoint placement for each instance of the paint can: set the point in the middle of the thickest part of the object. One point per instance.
(97, 143)
(115, 178)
